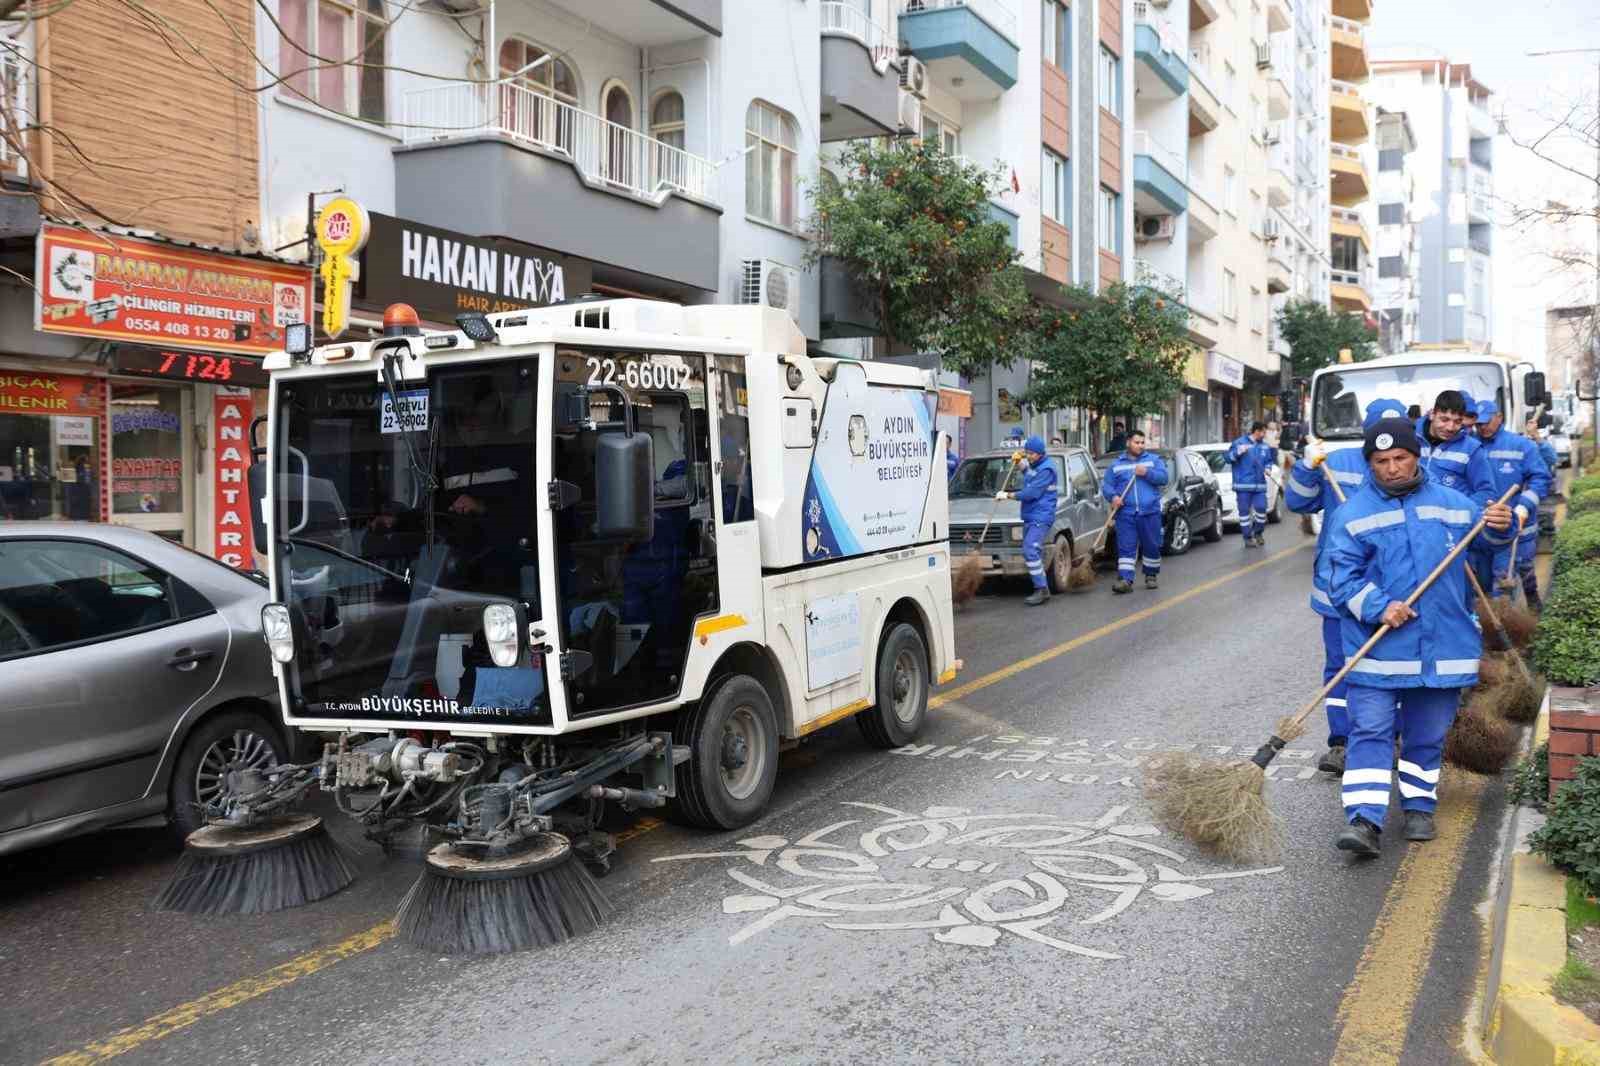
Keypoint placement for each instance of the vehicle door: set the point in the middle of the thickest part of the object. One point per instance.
(1208, 494)
(100, 653)
(1089, 510)
(1067, 502)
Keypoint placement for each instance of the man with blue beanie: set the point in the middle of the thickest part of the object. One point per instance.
(1514, 460)
(1038, 498)
(1309, 489)
(1387, 538)
(1133, 485)
(1252, 457)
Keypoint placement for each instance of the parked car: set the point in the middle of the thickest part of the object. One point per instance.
(134, 684)
(1191, 503)
(1215, 456)
(1080, 513)
(1562, 443)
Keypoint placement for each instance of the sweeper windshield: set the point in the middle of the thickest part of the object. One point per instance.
(403, 509)
(1341, 398)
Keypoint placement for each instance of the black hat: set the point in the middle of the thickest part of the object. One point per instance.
(1389, 433)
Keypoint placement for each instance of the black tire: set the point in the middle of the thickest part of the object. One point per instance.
(218, 747)
(1180, 537)
(735, 724)
(1055, 574)
(1213, 533)
(903, 686)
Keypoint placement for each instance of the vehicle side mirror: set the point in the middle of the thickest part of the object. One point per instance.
(256, 482)
(1533, 390)
(572, 406)
(624, 486)
(1289, 438)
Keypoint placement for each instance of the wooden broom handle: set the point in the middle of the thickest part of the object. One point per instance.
(1499, 627)
(1416, 595)
(995, 505)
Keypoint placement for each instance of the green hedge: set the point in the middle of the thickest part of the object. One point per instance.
(1567, 643)
(1587, 483)
(1583, 502)
(1570, 836)
(1577, 541)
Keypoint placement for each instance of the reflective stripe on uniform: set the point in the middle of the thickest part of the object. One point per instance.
(1387, 666)
(1360, 598)
(1456, 666)
(1370, 522)
(1369, 795)
(1300, 488)
(1318, 596)
(1430, 776)
(1348, 477)
(1445, 514)
(498, 475)
(1410, 791)
(1502, 453)
(1369, 776)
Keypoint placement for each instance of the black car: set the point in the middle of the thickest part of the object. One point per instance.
(1191, 503)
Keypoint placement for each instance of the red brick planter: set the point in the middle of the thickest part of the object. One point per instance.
(1574, 731)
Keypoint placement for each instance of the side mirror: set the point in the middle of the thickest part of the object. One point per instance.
(1289, 438)
(624, 486)
(1533, 391)
(256, 482)
(572, 406)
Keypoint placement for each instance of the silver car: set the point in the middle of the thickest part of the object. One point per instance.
(133, 681)
(1080, 513)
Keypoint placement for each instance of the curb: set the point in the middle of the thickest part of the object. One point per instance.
(1526, 1025)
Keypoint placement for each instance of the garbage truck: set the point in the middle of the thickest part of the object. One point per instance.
(605, 552)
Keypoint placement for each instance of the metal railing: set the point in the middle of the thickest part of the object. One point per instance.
(1174, 163)
(604, 151)
(1348, 277)
(840, 19)
(998, 15)
(1346, 88)
(1344, 214)
(1347, 26)
(16, 92)
(1151, 277)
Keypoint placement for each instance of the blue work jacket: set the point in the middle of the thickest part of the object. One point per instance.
(1141, 495)
(1309, 489)
(1038, 492)
(1251, 461)
(1458, 464)
(1515, 460)
(1380, 549)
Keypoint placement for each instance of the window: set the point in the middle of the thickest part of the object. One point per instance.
(1391, 266)
(1391, 214)
(349, 36)
(940, 134)
(1056, 33)
(1391, 159)
(57, 593)
(769, 165)
(1081, 476)
(1346, 253)
(1230, 294)
(1258, 215)
(1230, 191)
(1109, 219)
(1228, 78)
(1258, 311)
(539, 103)
(1110, 82)
(1055, 192)
(666, 119)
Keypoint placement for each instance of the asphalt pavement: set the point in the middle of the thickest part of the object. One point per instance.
(995, 892)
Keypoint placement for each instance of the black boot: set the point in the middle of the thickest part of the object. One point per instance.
(1332, 762)
(1419, 825)
(1120, 586)
(1361, 837)
(1150, 581)
(1037, 597)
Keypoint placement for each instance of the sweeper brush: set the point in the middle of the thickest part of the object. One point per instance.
(966, 577)
(1082, 575)
(488, 901)
(1479, 741)
(1514, 697)
(285, 863)
(1519, 622)
(1505, 684)
(1492, 670)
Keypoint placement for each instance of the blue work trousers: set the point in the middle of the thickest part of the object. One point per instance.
(1422, 716)
(1252, 513)
(1337, 702)
(1138, 535)
(1033, 537)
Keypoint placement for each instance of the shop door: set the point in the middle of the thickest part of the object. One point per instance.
(152, 458)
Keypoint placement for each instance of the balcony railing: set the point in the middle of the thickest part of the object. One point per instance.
(1345, 88)
(1149, 276)
(15, 109)
(1346, 152)
(603, 151)
(1175, 163)
(1346, 26)
(1348, 277)
(999, 17)
(1146, 12)
(1344, 214)
(840, 19)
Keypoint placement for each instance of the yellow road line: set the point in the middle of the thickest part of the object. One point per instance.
(1375, 1012)
(1135, 618)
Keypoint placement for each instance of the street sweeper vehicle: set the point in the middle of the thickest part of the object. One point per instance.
(1340, 393)
(606, 552)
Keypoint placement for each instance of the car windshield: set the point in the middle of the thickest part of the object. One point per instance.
(982, 476)
(1341, 399)
(1217, 460)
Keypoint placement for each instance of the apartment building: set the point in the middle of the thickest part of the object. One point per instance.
(1395, 296)
(1572, 345)
(1350, 161)
(1452, 194)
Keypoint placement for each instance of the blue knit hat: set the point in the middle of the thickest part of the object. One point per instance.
(1034, 443)
(1380, 409)
(1389, 433)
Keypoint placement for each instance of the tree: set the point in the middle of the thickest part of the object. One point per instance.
(1122, 352)
(1315, 335)
(913, 227)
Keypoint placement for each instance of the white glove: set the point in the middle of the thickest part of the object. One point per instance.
(1002, 495)
(1521, 511)
(1316, 454)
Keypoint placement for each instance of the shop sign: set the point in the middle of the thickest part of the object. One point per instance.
(93, 284)
(442, 273)
(342, 230)
(231, 446)
(74, 431)
(1194, 370)
(956, 402)
(206, 367)
(24, 393)
(1227, 371)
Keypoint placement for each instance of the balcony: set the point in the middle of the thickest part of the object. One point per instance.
(644, 23)
(1161, 72)
(1360, 10)
(1351, 183)
(969, 46)
(516, 163)
(1278, 85)
(1347, 223)
(1279, 271)
(1349, 40)
(1280, 166)
(1160, 177)
(1202, 13)
(1205, 330)
(1205, 110)
(1204, 220)
(1349, 292)
(16, 95)
(860, 75)
(1280, 15)
(1350, 122)
(1007, 218)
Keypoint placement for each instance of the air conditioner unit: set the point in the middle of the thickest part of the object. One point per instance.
(1270, 229)
(910, 113)
(914, 79)
(1263, 56)
(1154, 228)
(771, 284)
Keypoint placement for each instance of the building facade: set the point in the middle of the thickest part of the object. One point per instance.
(1452, 194)
(1395, 296)
(1350, 158)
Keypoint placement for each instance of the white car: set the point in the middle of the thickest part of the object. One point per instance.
(1216, 457)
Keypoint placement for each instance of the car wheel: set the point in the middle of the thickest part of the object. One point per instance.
(1061, 565)
(1213, 532)
(733, 757)
(903, 685)
(212, 758)
(1180, 537)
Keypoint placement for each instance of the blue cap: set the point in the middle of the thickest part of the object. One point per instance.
(1487, 409)
(1034, 444)
(1380, 409)
(1466, 398)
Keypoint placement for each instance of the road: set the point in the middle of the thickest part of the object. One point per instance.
(994, 893)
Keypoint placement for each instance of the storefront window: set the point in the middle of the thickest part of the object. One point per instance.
(49, 447)
(149, 479)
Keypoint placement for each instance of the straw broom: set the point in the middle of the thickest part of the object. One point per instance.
(1221, 806)
(1515, 694)
(1082, 575)
(966, 577)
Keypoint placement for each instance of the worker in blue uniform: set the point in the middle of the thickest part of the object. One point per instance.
(1450, 453)
(1389, 536)
(1038, 499)
(1251, 458)
(1515, 460)
(1133, 486)
(1309, 488)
